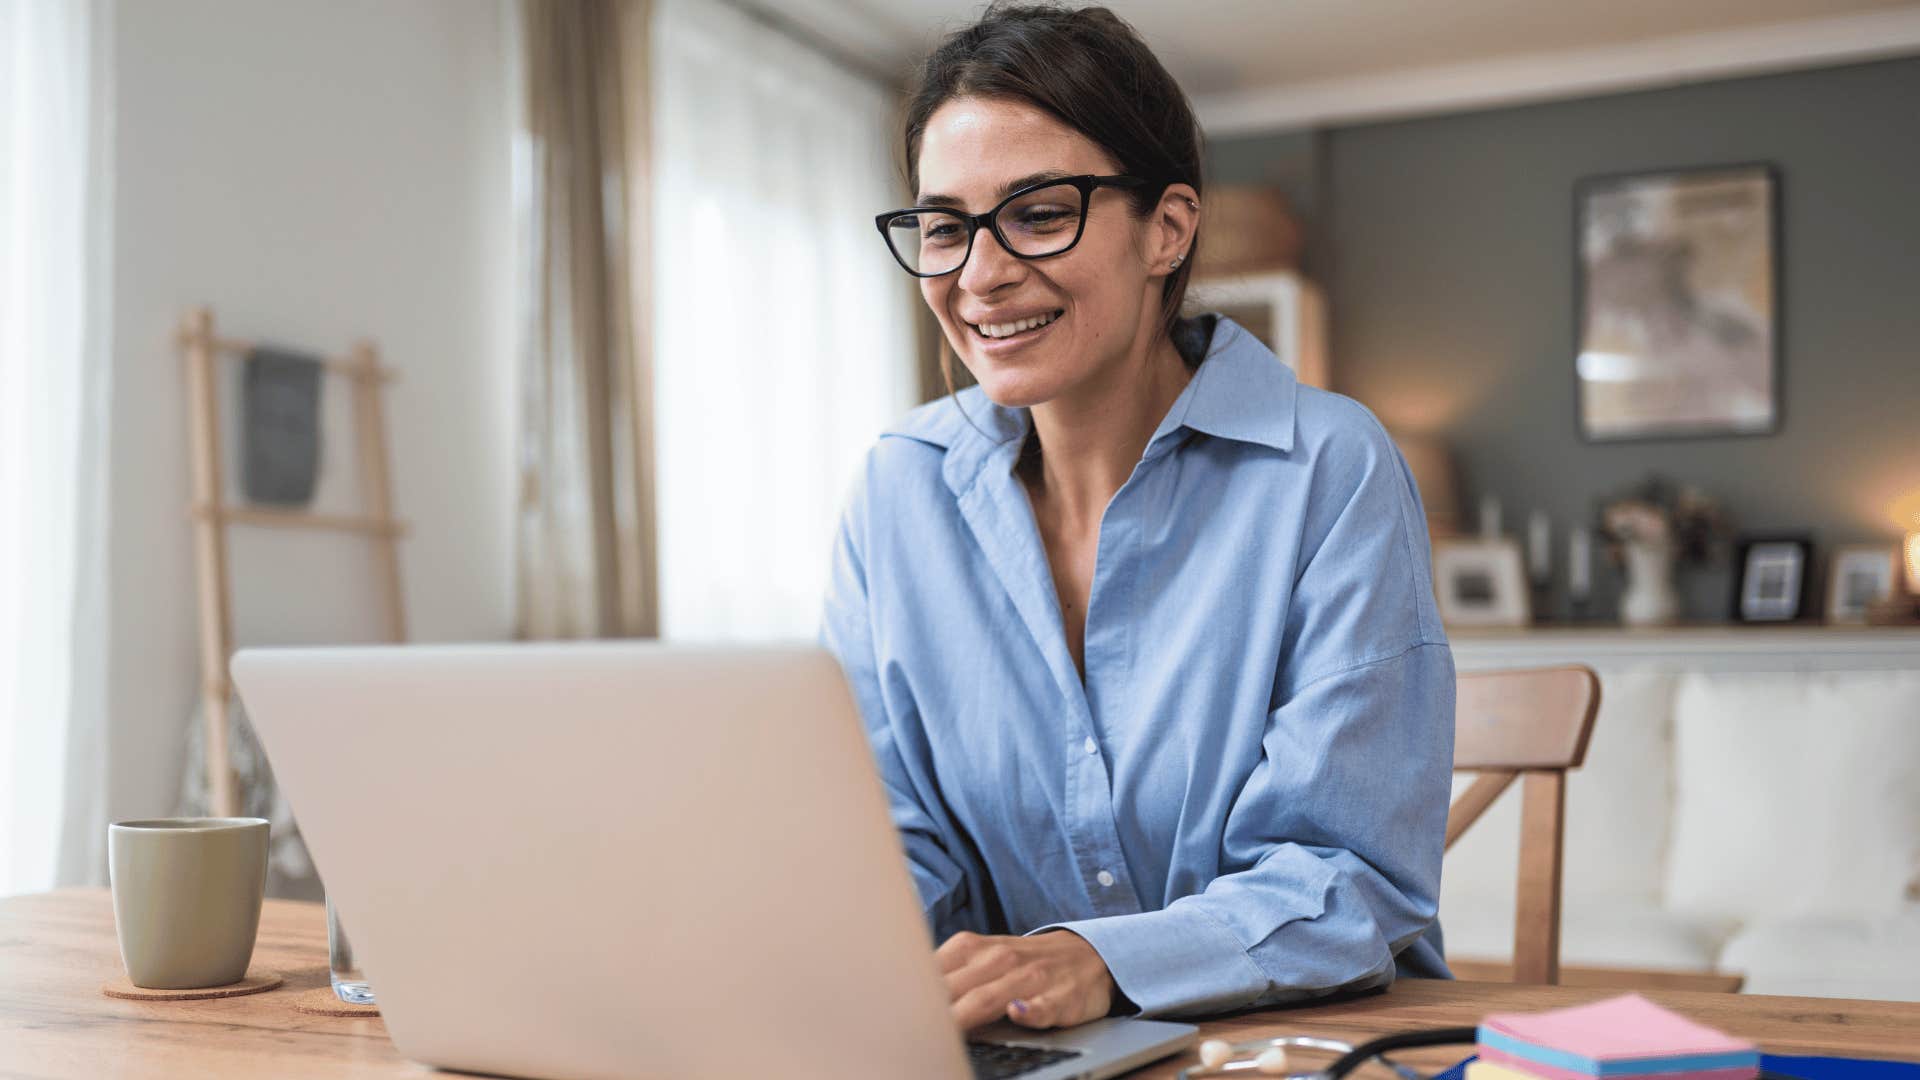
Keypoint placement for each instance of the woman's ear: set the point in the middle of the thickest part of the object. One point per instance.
(1175, 222)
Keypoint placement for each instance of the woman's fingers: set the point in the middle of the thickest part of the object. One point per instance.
(954, 953)
(1046, 980)
(983, 965)
(1039, 1011)
(992, 1000)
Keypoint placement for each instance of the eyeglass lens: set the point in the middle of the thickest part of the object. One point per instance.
(1041, 222)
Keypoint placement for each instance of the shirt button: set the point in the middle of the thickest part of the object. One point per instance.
(1105, 879)
(1091, 746)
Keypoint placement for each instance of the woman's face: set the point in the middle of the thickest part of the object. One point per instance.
(1103, 294)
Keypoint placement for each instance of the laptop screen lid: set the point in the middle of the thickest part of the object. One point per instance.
(608, 859)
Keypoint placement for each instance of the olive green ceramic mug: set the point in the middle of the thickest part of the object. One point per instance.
(186, 898)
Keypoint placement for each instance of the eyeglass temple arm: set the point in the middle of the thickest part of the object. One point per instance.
(1353, 1059)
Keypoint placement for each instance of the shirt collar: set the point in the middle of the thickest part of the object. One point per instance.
(1240, 391)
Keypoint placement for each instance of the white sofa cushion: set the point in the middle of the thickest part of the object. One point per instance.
(1797, 794)
(1816, 957)
(1620, 802)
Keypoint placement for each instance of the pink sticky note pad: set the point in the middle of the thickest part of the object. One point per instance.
(1618, 1028)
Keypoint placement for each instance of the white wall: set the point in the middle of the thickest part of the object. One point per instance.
(316, 172)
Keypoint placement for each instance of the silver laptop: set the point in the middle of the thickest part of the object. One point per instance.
(620, 860)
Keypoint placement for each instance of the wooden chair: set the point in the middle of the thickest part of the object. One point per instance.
(1533, 726)
(1530, 726)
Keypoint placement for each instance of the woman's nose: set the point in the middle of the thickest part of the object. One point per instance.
(989, 265)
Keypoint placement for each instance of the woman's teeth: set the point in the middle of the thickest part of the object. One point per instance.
(1000, 330)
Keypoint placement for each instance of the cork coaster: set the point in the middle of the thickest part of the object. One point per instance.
(256, 982)
(322, 1001)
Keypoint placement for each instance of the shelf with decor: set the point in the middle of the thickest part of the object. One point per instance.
(1691, 647)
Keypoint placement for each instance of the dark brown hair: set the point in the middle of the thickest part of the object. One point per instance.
(1089, 69)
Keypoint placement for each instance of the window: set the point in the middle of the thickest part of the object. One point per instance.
(50, 432)
(783, 339)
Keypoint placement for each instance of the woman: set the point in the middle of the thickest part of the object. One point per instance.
(1141, 630)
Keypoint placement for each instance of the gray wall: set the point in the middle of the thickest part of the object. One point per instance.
(1446, 244)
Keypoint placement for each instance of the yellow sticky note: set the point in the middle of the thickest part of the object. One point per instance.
(1487, 1070)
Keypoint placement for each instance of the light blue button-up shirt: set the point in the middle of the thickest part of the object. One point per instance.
(1244, 802)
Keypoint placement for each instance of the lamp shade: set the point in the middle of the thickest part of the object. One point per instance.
(1913, 563)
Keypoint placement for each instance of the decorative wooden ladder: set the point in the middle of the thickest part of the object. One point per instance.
(212, 515)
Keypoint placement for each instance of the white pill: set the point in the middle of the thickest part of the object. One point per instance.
(1215, 1053)
(1272, 1061)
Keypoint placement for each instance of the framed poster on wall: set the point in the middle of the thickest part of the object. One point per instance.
(1677, 307)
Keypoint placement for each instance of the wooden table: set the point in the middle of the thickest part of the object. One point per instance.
(57, 949)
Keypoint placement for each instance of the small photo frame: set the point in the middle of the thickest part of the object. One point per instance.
(1862, 575)
(1481, 583)
(1771, 585)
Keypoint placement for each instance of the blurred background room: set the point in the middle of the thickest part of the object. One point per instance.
(485, 320)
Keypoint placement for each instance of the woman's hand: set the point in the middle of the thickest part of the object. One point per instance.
(1054, 979)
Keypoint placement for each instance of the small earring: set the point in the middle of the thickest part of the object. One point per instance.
(1177, 260)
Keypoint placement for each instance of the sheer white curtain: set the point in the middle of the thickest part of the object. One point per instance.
(52, 427)
(783, 335)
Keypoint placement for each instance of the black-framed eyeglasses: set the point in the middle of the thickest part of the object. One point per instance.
(1035, 222)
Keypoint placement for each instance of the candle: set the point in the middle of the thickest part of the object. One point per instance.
(1539, 557)
(1579, 564)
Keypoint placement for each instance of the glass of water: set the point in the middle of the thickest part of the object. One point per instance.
(349, 985)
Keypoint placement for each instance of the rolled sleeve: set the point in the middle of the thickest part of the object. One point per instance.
(1175, 960)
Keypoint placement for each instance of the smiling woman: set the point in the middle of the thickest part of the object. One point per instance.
(1141, 629)
(1092, 162)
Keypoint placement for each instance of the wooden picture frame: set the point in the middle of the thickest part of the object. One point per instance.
(1677, 303)
(1772, 579)
(1860, 576)
(1481, 582)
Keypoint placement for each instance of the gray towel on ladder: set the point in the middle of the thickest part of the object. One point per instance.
(280, 426)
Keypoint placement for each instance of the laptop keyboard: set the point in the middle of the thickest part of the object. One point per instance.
(992, 1061)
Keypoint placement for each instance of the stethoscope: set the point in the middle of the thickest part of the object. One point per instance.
(1268, 1057)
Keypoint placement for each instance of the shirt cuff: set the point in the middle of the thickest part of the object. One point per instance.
(1173, 961)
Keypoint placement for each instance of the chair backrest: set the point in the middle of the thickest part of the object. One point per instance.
(1533, 724)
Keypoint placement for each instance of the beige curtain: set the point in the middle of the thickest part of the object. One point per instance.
(585, 532)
